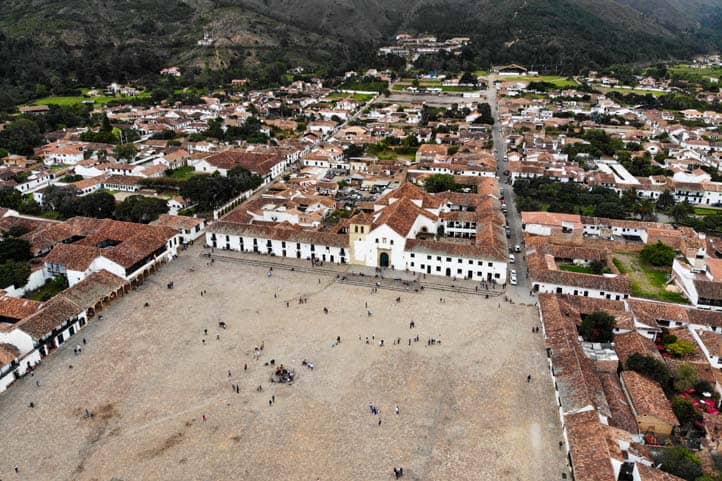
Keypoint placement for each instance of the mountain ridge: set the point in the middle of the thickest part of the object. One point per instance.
(60, 43)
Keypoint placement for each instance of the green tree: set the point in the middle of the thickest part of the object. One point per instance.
(211, 191)
(100, 205)
(21, 136)
(650, 367)
(141, 209)
(14, 274)
(17, 230)
(609, 210)
(646, 210)
(486, 117)
(353, 150)
(679, 461)
(125, 152)
(685, 411)
(684, 377)
(681, 348)
(440, 183)
(59, 198)
(468, 78)
(598, 267)
(10, 197)
(681, 211)
(598, 327)
(666, 200)
(105, 124)
(659, 254)
(14, 249)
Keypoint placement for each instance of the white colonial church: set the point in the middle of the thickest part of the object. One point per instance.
(448, 234)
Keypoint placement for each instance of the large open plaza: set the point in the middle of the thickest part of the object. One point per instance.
(152, 397)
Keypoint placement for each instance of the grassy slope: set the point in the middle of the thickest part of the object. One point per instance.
(647, 281)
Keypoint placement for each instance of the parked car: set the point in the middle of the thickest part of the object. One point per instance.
(512, 259)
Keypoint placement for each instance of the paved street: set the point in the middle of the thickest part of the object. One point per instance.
(520, 291)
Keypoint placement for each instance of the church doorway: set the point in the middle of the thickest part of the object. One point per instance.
(384, 260)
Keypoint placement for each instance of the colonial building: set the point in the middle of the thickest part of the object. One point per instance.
(408, 229)
(81, 246)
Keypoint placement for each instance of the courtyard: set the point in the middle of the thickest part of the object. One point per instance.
(162, 404)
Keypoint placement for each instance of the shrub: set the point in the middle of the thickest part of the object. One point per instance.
(658, 254)
(650, 367)
(14, 274)
(598, 327)
(681, 348)
(679, 461)
(684, 377)
(685, 411)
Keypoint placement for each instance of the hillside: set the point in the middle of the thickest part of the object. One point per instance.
(50, 45)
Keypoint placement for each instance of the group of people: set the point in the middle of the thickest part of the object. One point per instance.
(79, 349)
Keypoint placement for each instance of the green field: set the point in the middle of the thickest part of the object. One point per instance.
(688, 70)
(456, 88)
(630, 91)
(183, 173)
(707, 211)
(74, 100)
(647, 281)
(559, 81)
(403, 84)
(342, 95)
(575, 268)
(50, 289)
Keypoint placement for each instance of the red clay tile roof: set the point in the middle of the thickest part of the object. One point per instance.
(539, 263)
(281, 232)
(411, 192)
(136, 241)
(17, 307)
(8, 353)
(178, 222)
(96, 287)
(648, 398)
(649, 312)
(634, 343)
(589, 449)
(622, 416)
(53, 314)
(257, 163)
(74, 257)
(708, 289)
(122, 180)
(577, 380)
(401, 216)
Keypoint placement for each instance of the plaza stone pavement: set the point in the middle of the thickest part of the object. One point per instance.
(150, 377)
